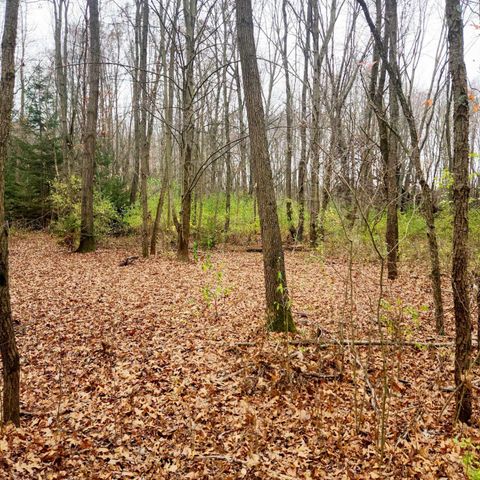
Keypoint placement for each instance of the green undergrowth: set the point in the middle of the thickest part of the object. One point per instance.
(346, 232)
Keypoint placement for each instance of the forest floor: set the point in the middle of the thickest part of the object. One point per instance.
(162, 369)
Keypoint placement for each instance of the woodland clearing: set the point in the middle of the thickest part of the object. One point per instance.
(163, 369)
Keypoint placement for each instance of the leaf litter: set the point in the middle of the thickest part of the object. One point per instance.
(134, 372)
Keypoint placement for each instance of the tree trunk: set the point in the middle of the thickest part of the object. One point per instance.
(8, 345)
(144, 141)
(279, 314)
(427, 197)
(289, 118)
(302, 167)
(315, 140)
(226, 119)
(87, 238)
(60, 10)
(136, 93)
(190, 12)
(243, 145)
(391, 235)
(460, 284)
(167, 137)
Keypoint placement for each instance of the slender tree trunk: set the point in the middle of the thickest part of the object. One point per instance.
(426, 191)
(190, 12)
(302, 167)
(317, 229)
(226, 120)
(60, 10)
(315, 140)
(87, 238)
(279, 314)
(289, 118)
(136, 94)
(241, 124)
(392, 157)
(167, 137)
(8, 345)
(144, 141)
(460, 284)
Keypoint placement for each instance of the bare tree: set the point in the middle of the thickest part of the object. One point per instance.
(279, 314)
(61, 16)
(428, 208)
(461, 301)
(87, 238)
(8, 345)
(188, 128)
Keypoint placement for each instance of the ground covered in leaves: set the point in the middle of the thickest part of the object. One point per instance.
(161, 369)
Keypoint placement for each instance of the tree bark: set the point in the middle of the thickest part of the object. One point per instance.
(289, 119)
(60, 10)
(168, 98)
(87, 238)
(426, 191)
(279, 314)
(391, 165)
(460, 284)
(226, 120)
(302, 167)
(144, 141)
(136, 93)
(8, 345)
(190, 13)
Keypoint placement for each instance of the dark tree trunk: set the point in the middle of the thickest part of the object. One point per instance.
(144, 139)
(87, 238)
(426, 191)
(136, 105)
(315, 140)
(302, 167)
(190, 13)
(391, 165)
(463, 332)
(8, 345)
(226, 119)
(168, 146)
(289, 119)
(279, 314)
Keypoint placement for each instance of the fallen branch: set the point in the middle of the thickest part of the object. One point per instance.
(370, 343)
(360, 343)
(128, 261)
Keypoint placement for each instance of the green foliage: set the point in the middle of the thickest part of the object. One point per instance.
(400, 319)
(34, 155)
(470, 457)
(66, 203)
(214, 291)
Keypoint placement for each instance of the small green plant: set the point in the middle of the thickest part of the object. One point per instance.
(214, 291)
(195, 251)
(400, 319)
(470, 457)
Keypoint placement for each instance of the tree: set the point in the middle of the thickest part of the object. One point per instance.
(461, 300)
(289, 119)
(391, 164)
(188, 129)
(61, 15)
(8, 345)
(428, 209)
(279, 314)
(144, 141)
(87, 238)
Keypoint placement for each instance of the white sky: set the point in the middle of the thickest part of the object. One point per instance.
(40, 33)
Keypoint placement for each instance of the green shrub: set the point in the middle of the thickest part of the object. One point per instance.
(65, 198)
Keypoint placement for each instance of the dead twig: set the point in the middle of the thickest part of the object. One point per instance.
(128, 261)
(361, 343)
